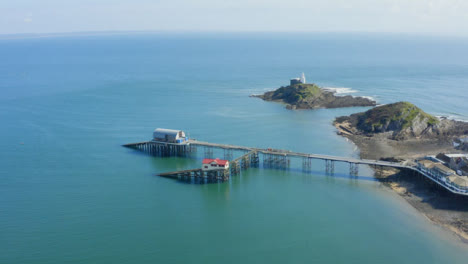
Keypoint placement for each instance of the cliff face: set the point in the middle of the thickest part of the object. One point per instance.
(309, 96)
(402, 120)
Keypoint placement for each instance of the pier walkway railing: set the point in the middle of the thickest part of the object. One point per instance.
(302, 155)
(272, 158)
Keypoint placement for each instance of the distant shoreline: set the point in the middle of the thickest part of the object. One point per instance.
(255, 33)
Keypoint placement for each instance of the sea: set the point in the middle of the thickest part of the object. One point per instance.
(70, 193)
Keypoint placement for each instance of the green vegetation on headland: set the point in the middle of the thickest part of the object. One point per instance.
(402, 120)
(310, 96)
(396, 116)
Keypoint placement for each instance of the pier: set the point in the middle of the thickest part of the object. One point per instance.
(163, 149)
(197, 174)
(271, 158)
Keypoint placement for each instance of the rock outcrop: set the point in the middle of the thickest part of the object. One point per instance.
(401, 121)
(310, 96)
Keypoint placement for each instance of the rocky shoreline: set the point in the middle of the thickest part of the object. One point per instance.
(310, 96)
(439, 206)
(386, 141)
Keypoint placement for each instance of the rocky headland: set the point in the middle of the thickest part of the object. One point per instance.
(402, 132)
(311, 96)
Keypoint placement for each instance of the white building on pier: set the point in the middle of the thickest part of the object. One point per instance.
(169, 135)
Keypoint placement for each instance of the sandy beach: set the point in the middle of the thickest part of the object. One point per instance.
(441, 207)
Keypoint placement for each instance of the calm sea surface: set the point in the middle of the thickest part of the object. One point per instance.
(69, 193)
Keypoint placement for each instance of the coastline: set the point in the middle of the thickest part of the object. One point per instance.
(425, 197)
(439, 206)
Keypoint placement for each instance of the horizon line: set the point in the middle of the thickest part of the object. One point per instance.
(121, 32)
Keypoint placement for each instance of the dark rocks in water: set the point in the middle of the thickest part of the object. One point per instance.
(310, 96)
(401, 121)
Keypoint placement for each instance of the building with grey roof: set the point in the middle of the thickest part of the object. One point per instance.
(169, 135)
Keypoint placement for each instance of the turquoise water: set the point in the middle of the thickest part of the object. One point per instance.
(71, 194)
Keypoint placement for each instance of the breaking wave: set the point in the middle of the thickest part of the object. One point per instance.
(369, 97)
(340, 90)
(453, 117)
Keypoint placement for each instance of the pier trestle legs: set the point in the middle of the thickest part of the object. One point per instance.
(329, 167)
(353, 169)
(198, 175)
(378, 171)
(228, 154)
(307, 164)
(217, 176)
(249, 159)
(235, 167)
(245, 162)
(254, 160)
(208, 152)
(276, 161)
(162, 149)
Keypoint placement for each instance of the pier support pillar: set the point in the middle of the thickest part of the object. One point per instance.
(208, 151)
(306, 164)
(228, 154)
(254, 160)
(329, 167)
(353, 169)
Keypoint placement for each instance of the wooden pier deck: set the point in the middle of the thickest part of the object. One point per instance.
(175, 174)
(216, 145)
(272, 158)
(302, 155)
(154, 146)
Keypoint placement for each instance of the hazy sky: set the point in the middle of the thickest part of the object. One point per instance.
(48, 16)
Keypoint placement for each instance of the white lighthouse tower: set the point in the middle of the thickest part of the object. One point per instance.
(303, 79)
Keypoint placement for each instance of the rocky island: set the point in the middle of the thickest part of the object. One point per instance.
(403, 132)
(310, 96)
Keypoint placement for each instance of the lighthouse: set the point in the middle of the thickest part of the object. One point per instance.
(298, 80)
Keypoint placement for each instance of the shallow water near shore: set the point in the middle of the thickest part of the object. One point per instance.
(71, 193)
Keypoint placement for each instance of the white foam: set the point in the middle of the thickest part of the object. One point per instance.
(369, 97)
(269, 89)
(452, 117)
(340, 90)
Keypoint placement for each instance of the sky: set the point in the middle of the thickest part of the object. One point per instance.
(439, 17)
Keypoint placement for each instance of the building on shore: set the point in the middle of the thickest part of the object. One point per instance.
(215, 164)
(456, 162)
(438, 169)
(301, 80)
(169, 135)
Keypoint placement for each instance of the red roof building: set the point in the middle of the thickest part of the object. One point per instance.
(214, 164)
